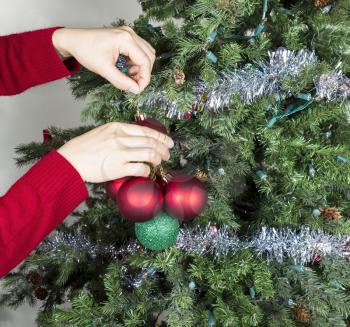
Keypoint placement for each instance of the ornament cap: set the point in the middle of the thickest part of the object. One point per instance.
(139, 116)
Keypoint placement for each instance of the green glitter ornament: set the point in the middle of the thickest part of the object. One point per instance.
(159, 232)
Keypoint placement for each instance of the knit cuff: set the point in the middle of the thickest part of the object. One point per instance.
(57, 180)
(43, 56)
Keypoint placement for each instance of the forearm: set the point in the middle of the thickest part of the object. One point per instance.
(29, 59)
(35, 205)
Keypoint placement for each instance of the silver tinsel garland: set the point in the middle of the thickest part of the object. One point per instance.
(252, 82)
(59, 241)
(332, 86)
(255, 81)
(301, 246)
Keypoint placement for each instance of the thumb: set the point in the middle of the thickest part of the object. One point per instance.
(119, 79)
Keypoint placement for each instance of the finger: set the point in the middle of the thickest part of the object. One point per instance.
(119, 80)
(136, 130)
(142, 44)
(146, 47)
(144, 142)
(137, 169)
(130, 30)
(135, 77)
(134, 70)
(130, 63)
(149, 155)
(141, 59)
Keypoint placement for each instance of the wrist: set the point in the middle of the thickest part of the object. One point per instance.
(59, 41)
(66, 152)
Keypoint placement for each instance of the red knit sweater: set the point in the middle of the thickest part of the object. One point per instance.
(39, 201)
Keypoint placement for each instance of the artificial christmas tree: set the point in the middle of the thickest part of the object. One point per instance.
(255, 95)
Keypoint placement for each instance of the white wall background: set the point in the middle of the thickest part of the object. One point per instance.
(23, 117)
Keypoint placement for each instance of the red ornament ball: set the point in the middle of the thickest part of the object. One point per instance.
(112, 187)
(139, 199)
(46, 136)
(188, 115)
(185, 197)
(317, 259)
(41, 293)
(154, 124)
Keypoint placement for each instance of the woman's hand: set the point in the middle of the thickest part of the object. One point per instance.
(116, 150)
(99, 49)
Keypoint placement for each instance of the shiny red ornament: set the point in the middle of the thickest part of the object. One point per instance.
(188, 115)
(154, 124)
(185, 197)
(317, 259)
(112, 187)
(139, 199)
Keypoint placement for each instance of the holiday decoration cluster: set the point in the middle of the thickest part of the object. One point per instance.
(157, 205)
(265, 131)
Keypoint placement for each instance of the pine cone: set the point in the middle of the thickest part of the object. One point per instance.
(41, 293)
(321, 3)
(35, 278)
(331, 213)
(179, 76)
(301, 314)
(201, 175)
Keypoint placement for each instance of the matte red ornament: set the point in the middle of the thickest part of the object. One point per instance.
(139, 199)
(185, 197)
(112, 187)
(154, 124)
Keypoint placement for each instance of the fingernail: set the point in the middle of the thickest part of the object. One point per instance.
(134, 90)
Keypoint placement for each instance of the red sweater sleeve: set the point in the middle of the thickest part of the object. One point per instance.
(35, 205)
(28, 59)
